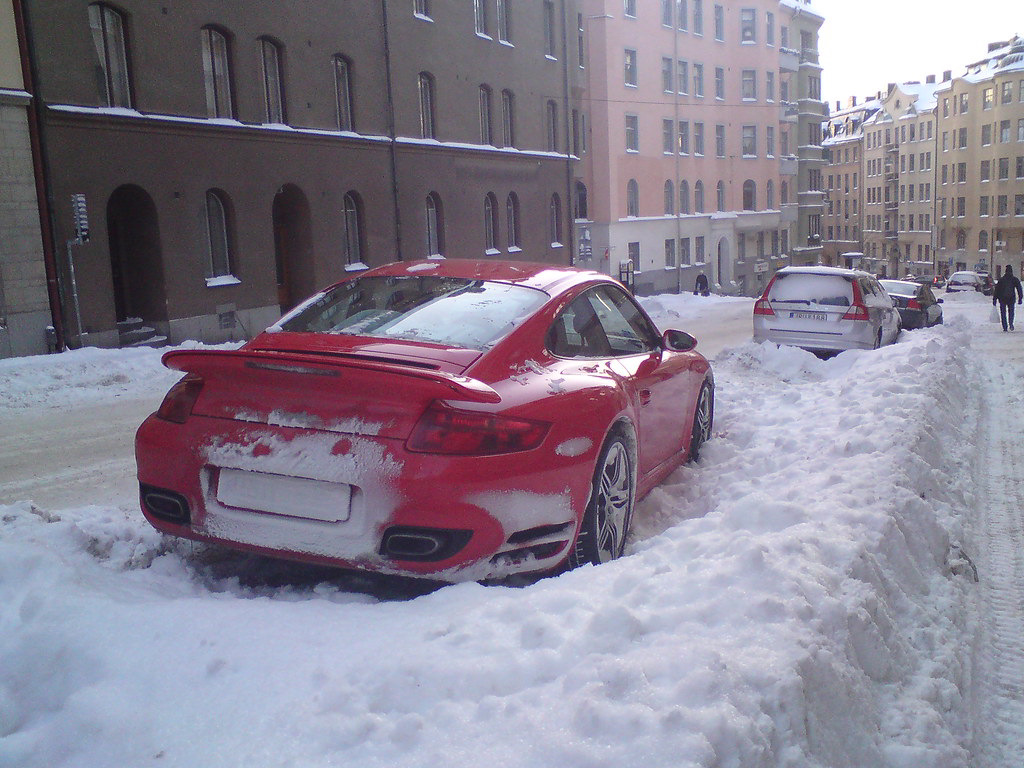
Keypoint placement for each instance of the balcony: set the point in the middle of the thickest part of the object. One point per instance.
(892, 147)
(790, 213)
(789, 60)
(788, 166)
(891, 234)
(812, 107)
(809, 56)
(789, 112)
(891, 205)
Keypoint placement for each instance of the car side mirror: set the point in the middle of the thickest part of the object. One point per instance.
(678, 341)
(940, 300)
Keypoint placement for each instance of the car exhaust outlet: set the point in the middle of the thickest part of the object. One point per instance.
(411, 546)
(423, 544)
(166, 505)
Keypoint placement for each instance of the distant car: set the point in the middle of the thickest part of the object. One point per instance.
(825, 310)
(454, 420)
(964, 281)
(916, 303)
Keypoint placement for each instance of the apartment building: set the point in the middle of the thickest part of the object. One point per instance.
(843, 243)
(981, 163)
(692, 161)
(233, 157)
(899, 176)
(24, 297)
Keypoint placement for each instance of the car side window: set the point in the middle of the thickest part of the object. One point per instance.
(603, 322)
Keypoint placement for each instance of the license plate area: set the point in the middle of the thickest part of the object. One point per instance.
(808, 315)
(283, 495)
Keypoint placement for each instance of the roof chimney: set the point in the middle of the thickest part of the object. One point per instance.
(853, 101)
(947, 75)
(930, 79)
(892, 87)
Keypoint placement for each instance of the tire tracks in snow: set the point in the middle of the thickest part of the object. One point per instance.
(998, 688)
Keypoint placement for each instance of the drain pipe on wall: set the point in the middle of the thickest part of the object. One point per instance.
(29, 72)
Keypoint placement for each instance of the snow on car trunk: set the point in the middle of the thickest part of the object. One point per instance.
(786, 601)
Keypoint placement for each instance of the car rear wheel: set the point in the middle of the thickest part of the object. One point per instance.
(602, 535)
(703, 418)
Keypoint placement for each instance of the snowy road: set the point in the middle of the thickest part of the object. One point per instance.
(796, 599)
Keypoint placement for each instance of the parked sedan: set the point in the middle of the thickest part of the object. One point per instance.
(825, 310)
(455, 420)
(965, 281)
(915, 302)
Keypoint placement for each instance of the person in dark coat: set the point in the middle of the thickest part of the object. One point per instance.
(701, 285)
(1008, 288)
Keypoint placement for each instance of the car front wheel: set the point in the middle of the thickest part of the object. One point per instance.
(602, 535)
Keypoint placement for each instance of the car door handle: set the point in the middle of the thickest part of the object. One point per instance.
(645, 396)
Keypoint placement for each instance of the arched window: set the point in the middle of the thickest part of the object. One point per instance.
(670, 198)
(273, 80)
(983, 240)
(512, 220)
(698, 197)
(581, 200)
(217, 72)
(555, 217)
(108, 39)
(218, 234)
(508, 118)
(426, 90)
(961, 239)
(720, 195)
(769, 194)
(684, 196)
(749, 195)
(352, 223)
(343, 93)
(551, 124)
(486, 135)
(632, 198)
(491, 223)
(435, 225)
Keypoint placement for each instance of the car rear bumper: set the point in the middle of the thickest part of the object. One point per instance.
(837, 340)
(373, 505)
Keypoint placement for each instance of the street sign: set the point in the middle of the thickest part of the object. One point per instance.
(81, 216)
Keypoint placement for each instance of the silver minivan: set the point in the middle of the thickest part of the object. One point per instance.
(825, 310)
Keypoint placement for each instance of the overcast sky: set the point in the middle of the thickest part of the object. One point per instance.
(867, 44)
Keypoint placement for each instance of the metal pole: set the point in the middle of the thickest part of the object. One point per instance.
(74, 291)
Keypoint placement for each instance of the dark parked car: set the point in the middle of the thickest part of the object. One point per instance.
(965, 281)
(916, 303)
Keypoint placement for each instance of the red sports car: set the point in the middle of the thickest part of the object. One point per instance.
(454, 420)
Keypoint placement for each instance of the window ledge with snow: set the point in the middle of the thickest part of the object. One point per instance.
(214, 282)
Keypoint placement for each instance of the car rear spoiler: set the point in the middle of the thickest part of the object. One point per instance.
(319, 364)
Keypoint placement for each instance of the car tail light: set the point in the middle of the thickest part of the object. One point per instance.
(178, 402)
(913, 304)
(857, 310)
(443, 429)
(763, 307)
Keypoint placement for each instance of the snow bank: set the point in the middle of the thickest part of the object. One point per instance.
(787, 601)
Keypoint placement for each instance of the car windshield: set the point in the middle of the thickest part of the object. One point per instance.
(803, 288)
(899, 287)
(459, 312)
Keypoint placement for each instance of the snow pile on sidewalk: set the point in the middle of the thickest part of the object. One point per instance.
(790, 600)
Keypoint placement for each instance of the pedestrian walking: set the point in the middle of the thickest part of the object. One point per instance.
(1008, 289)
(701, 285)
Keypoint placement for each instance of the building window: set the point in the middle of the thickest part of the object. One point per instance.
(352, 223)
(769, 28)
(632, 133)
(217, 234)
(512, 220)
(668, 75)
(435, 225)
(699, 249)
(504, 22)
(632, 198)
(421, 8)
(426, 89)
(555, 221)
(749, 140)
(749, 84)
(343, 93)
(629, 8)
(769, 86)
(549, 28)
(698, 17)
(749, 195)
(683, 76)
(719, 82)
(698, 138)
(683, 18)
(684, 197)
(490, 223)
(987, 98)
(551, 125)
(508, 118)
(668, 136)
(769, 142)
(684, 251)
(486, 137)
(719, 22)
(698, 197)
(666, 13)
(273, 81)
(1004, 131)
(720, 140)
(684, 137)
(217, 73)
(983, 240)
(108, 39)
(698, 80)
(581, 200)
(670, 198)
(748, 25)
(769, 195)
(480, 17)
(630, 66)
(670, 252)
(720, 196)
